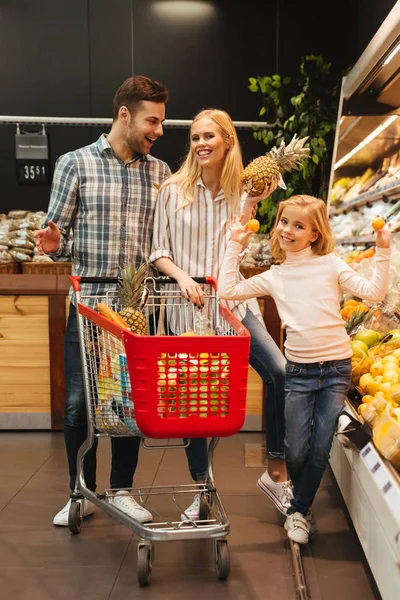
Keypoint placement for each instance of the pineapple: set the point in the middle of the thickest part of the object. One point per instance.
(262, 169)
(131, 290)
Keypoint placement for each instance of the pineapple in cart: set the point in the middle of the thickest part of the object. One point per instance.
(263, 169)
(132, 295)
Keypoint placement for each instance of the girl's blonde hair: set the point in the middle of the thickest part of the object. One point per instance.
(317, 212)
(189, 172)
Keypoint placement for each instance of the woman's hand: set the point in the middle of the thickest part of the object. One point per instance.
(267, 191)
(48, 239)
(383, 236)
(239, 232)
(191, 290)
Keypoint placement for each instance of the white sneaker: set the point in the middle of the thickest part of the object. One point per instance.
(128, 505)
(297, 527)
(61, 517)
(193, 512)
(280, 493)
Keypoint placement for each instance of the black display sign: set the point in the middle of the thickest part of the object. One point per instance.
(32, 154)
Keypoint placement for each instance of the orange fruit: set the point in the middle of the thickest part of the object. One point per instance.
(378, 223)
(369, 252)
(351, 303)
(253, 225)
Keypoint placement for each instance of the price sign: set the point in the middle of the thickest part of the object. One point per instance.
(383, 478)
(32, 156)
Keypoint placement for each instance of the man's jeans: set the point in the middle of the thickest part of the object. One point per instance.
(269, 362)
(125, 450)
(315, 394)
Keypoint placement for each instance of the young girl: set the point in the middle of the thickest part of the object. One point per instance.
(189, 240)
(305, 286)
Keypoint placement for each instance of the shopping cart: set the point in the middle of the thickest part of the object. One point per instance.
(162, 385)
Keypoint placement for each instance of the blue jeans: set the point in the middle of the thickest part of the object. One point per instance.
(315, 394)
(124, 450)
(269, 362)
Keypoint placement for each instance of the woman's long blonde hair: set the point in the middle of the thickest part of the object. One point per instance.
(316, 210)
(189, 172)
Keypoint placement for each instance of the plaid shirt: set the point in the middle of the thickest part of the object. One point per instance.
(109, 207)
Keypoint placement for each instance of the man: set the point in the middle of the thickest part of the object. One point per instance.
(105, 193)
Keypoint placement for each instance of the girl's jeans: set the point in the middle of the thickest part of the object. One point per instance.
(315, 394)
(269, 362)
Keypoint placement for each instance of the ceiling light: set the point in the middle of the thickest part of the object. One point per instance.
(392, 54)
(366, 141)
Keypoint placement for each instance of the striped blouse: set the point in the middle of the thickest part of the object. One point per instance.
(194, 236)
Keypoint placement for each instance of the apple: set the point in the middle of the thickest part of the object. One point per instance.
(365, 379)
(376, 368)
(390, 376)
(395, 333)
(390, 360)
(373, 386)
(368, 336)
(357, 345)
(385, 387)
(367, 398)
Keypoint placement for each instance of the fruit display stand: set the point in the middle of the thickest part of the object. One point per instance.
(364, 183)
(370, 487)
(33, 312)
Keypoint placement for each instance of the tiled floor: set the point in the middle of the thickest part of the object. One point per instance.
(41, 562)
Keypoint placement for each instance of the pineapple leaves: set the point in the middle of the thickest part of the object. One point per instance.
(305, 105)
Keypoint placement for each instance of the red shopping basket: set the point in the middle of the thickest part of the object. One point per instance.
(182, 386)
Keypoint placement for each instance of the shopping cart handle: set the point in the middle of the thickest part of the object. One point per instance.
(210, 280)
(76, 281)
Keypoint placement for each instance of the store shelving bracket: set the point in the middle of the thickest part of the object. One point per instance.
(97, 122)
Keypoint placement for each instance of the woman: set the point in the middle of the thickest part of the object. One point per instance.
(189, 240)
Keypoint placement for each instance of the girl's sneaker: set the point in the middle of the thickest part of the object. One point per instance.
(280, 493)
(297, 528)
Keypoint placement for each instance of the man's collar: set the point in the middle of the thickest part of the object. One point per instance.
(104, 146)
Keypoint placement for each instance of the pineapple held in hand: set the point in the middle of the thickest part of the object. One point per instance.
(131, 290)
(262, 169)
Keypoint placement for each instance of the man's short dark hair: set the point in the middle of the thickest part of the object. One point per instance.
(135, 90)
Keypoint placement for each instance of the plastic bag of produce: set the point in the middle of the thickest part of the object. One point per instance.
(360, 363)
(386, 435)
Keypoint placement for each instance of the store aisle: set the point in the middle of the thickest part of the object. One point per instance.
(41, 562)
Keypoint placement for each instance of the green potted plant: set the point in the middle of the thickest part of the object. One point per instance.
(307, 106)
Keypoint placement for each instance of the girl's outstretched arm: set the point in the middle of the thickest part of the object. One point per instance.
(230, 286)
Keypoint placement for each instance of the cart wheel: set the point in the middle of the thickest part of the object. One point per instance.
(75, 517)
(144, 564)
(222, 561)
(204, 508)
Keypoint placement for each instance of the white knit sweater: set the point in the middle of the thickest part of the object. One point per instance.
(306, 291)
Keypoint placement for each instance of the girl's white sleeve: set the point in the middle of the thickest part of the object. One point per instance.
(374, 289)
(231, 287)
(161, 245)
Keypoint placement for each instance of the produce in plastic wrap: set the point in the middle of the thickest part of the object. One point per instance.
(386, 435)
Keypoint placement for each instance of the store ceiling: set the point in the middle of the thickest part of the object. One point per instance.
(370, 105)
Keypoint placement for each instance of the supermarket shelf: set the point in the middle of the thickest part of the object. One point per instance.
(356, 239)
(371, 490)
(390, 193)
